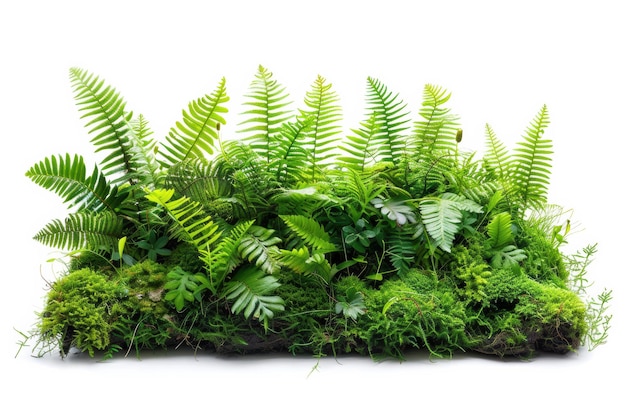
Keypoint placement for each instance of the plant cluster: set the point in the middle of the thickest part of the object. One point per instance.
(294, 237)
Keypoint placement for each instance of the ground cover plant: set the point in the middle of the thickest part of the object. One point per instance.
(294, 237)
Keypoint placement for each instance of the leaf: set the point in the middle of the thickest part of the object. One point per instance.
(83, 230)
(436, 131)
(250, 289)
(267, 111)
(194, 136)
(395, 210)
(533, 163)
(109, 122)
(352, 305)
(500, 230)
(310, 231)
(442, 217)
(324, 133)
(183, 287)
(67, 177)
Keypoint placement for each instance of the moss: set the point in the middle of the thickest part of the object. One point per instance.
(522, 316)
(399, 318)
(77, 310)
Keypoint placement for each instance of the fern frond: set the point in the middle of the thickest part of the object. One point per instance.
(250, 289)
(291, 155)
(106, 115)
(67, 177)
(321, 105)
(221, 260)
(267, 113)
(497, 158)
(195, 135)
(143, 154)
(401, 249)
(500, 230)
(470, 179)
(301, 261)
(201, 180)
(436, 133)
(258, 246)
(192, 224)
(442, 217)
(532, 160)
(83, 230)
(391, 117)
(358, 148)
(310, 231)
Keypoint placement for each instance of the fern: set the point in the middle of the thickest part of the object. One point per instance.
(109, 123)
(381, 138)
(436, 133)
(442, 217)
(532, 162)
(250, 289)
(267, 114)
(291, 154)
(302, 261)
(310, 231)
(222, 259)
(67, 177)
(258, 246)
(500, 230)
(82, 230)
(324, 132)
(143, 154)
(191, 224)
(497, 158)
(183, 287)
(195, 135)
(204, 181)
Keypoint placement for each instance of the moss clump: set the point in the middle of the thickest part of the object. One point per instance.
(78, 311)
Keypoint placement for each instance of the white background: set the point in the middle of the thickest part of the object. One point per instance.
(501, 60)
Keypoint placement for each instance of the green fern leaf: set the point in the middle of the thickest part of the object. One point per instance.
(83, 230)
(267, 113)
(291, 155)
(301, 261)
(500, 230)
(496, 157)
(507, 256)
(108, 120)
(359, 149)
(195, 135)
(183, 287)
(436, 133)
(67, 177)
(258, 246)
(310, 231)
(193, 225)
(442, 217)
(250, 289)
(325, 130)
(532, 159)
(389, 111)
(143, 154)
(225, 256)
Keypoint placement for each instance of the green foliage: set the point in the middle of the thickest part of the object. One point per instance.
(251, 289)
(195, 135)
(296, 238)
(442, 217)
(183, 287)
(352, 305)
